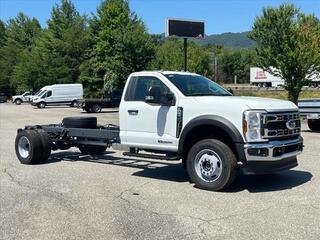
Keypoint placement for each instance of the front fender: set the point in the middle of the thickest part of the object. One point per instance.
(213, 120)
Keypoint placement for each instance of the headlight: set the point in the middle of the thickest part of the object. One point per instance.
(252, 120)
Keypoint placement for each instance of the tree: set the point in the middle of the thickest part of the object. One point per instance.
(2, 33)
(288, 46)
(121, 44)
(169, 56)
(20, 35)
(236, 63)
(57, 52)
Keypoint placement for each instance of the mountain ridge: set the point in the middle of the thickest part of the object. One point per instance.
(229, 39)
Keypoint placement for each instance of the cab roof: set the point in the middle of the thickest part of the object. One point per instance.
(166, 72)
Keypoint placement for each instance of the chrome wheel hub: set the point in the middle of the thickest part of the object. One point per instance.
(208, 165)
(24, 147)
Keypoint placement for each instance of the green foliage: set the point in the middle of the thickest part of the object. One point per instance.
(288, 45)
(58, 51)
(236, 63)
(93, 88)
(2, 33)
(20, 34)
(121, 44)
(102, 51)
(169, 56)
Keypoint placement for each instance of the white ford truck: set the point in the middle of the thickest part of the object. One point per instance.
(25, 97)
(182, 116)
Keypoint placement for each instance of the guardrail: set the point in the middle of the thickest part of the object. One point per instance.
(247, 88)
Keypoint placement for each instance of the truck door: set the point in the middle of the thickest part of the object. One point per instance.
(150, 126)
(48, 97)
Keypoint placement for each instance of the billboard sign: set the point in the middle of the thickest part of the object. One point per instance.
(184, 28)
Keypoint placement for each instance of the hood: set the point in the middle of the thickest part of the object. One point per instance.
(248, 102)
(17, 96)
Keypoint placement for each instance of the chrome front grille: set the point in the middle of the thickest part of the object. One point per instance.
(281, 125)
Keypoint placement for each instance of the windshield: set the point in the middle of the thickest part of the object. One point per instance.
(196, 85)
(39, 93)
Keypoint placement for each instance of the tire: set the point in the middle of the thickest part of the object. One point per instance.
(18, 101)
(28, 147)
(96, 108)
(92, 149)
(211, 165)
(46, 144)
(314, 124)
(80, 122)
(41, 105)
(88, 109)
(74, 103)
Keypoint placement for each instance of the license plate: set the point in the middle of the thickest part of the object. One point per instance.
(313, 116)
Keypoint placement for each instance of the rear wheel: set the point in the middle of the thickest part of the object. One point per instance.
(28, 146)
(96, 108)
(92, 149)
(314, 124)
(211, 165)
(46, 144)
(88, 109)
(18, 101)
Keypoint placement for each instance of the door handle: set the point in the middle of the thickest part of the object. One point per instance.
(133, 112)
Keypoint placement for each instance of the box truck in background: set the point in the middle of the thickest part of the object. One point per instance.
(261, 78)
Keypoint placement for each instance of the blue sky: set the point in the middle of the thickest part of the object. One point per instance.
(219, 15)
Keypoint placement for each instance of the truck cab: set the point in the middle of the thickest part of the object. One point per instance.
(172, 112)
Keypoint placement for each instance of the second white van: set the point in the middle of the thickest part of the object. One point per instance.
(59, 94)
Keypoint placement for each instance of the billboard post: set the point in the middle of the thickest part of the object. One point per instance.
(179, 28)
(185, 49)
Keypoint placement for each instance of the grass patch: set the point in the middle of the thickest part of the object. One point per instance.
(278, 94)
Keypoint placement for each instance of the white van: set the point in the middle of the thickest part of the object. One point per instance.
(59, 94)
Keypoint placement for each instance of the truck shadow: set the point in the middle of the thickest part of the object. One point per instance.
(173, 171)
(150, 168)
(111, 111)
(270, 182)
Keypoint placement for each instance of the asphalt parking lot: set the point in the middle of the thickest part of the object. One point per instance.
(114, 197)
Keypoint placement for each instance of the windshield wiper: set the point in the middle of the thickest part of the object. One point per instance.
(205, 94)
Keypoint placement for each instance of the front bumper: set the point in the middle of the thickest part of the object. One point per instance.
(273, 150)
(273, 156)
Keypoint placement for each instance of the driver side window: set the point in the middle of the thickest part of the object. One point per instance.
(139, 86)
(47, 94)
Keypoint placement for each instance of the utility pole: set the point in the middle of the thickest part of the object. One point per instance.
(185, 49)
(215, 68)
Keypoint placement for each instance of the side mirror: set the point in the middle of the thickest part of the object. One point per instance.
(154, 96)
(230, 90)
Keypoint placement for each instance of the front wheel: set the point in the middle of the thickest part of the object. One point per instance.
(41, 105)
(18, 101)
(74, 103)
(211, 165)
